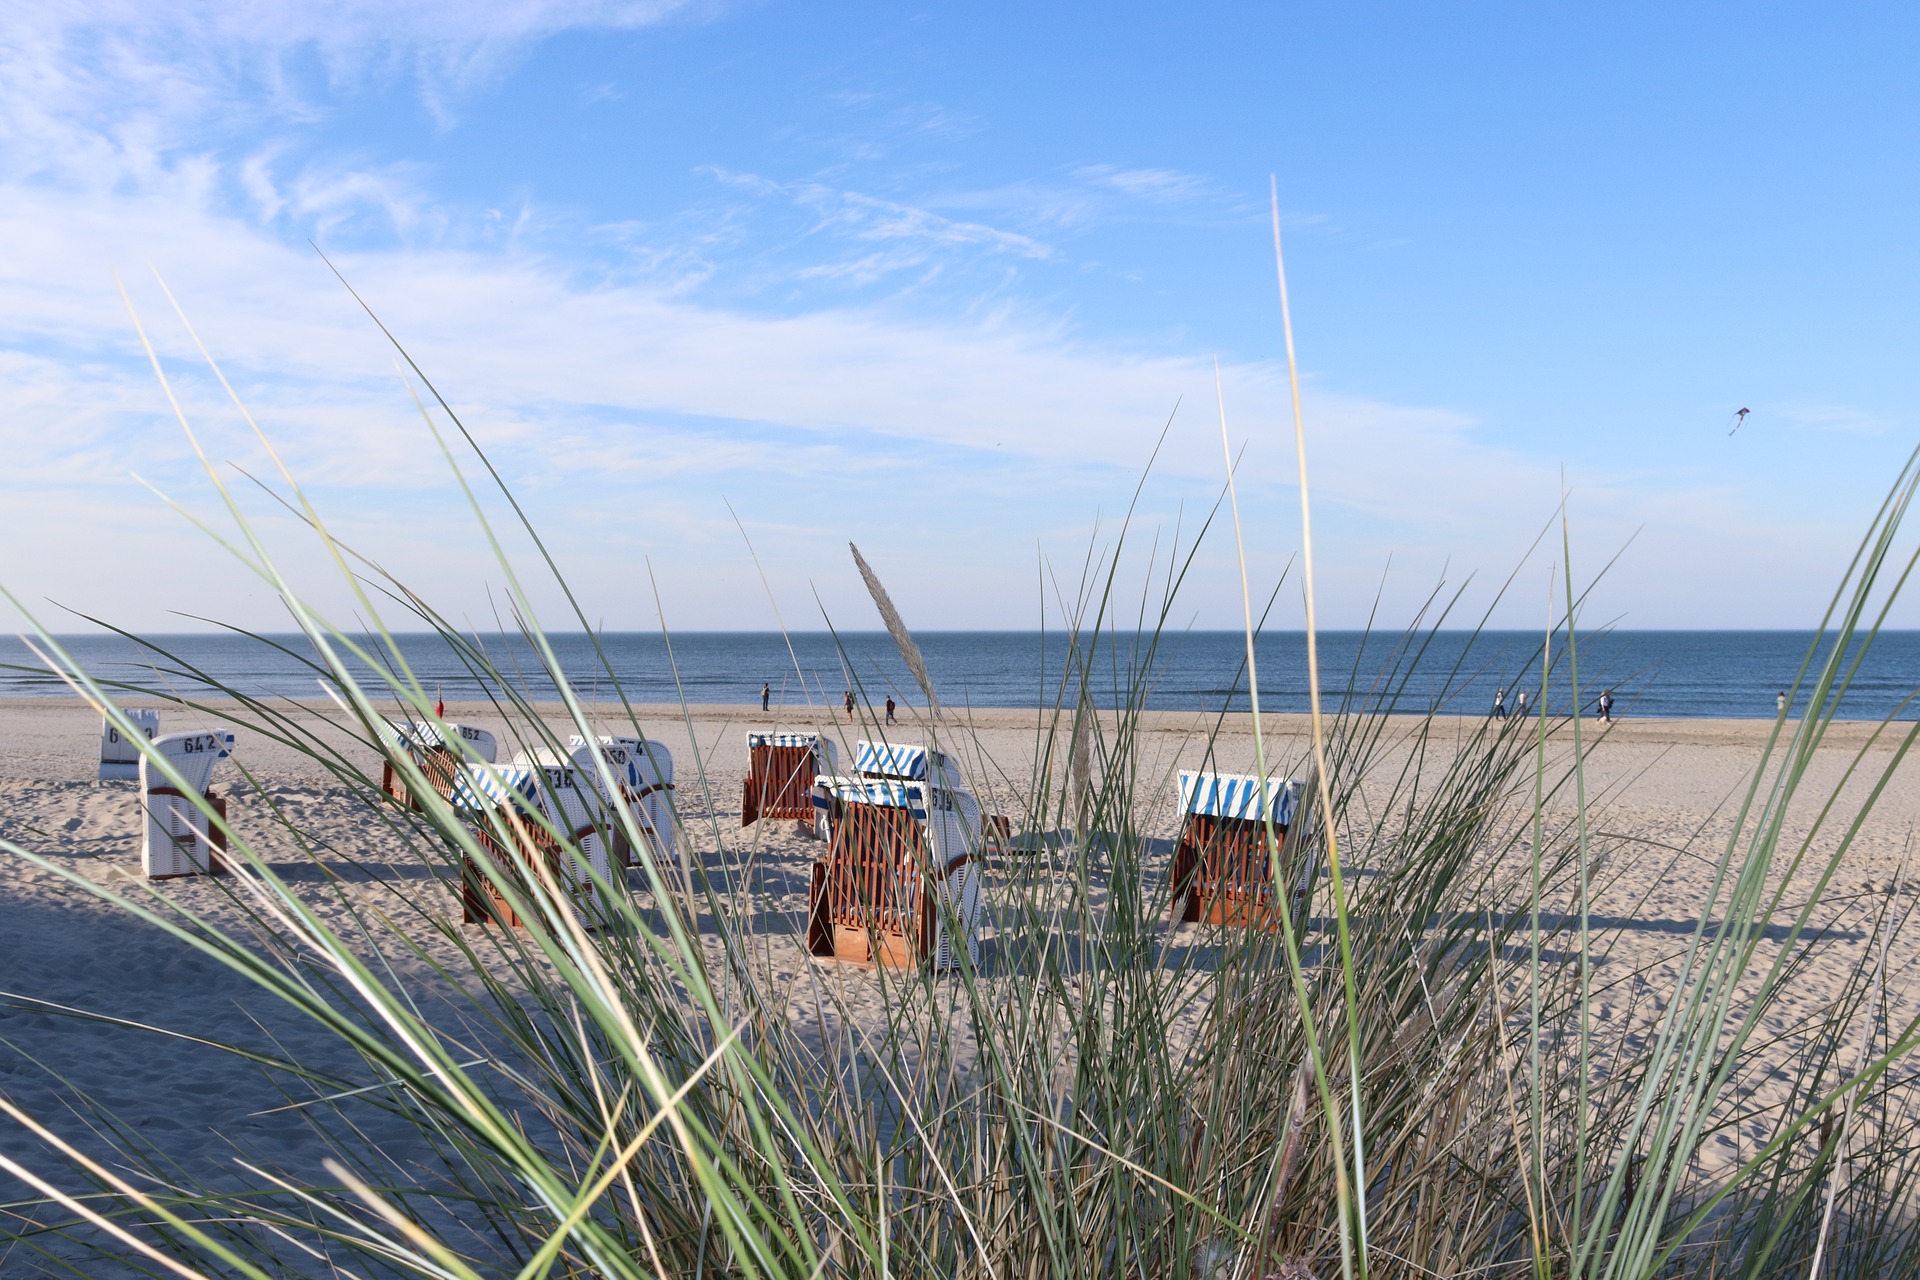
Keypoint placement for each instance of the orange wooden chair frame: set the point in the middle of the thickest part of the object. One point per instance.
(480, 901)
(1222, 875)
(872, 899)
(779, 784)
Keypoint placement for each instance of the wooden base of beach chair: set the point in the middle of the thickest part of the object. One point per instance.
(439, 766)
(395, 786)
(481, 901)
(216, 838)
(861, 909)
(845, 943)
(1222, 874)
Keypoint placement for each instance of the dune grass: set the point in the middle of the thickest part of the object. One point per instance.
(1407, 1080)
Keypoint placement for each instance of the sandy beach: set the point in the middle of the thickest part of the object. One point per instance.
(1663, 798)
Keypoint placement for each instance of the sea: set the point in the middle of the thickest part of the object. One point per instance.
(1711, 674)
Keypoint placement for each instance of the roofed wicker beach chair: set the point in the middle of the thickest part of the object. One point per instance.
(781, 768)
(502, 805)
(644, 770)
(119, 758)
(421, 741)
(900, 881)
(179, 838)
(1221, 870)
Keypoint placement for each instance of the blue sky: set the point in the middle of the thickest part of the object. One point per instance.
(933, 279)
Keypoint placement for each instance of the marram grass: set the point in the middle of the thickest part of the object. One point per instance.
(1106, 1097)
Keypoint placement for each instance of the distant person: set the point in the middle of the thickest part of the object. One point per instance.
(1606, 706)
(1500, 704)
(849, 702)
(890, 710)
(1780, 703)
(766, 692)
(1520, 704)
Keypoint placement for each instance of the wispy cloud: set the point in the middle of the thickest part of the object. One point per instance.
(626, 400)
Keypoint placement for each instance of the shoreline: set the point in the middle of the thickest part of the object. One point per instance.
(1683, 731)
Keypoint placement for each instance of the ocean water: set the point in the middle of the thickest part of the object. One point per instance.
(1733, 674)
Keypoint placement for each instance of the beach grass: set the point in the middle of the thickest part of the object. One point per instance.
(1406, 1079)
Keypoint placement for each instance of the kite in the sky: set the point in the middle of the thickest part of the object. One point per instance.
(1740, 420)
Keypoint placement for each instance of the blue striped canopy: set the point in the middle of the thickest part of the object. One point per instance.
(411, 733)
(483, 787)
(879, 791)
(1236, 795)
(877, 759)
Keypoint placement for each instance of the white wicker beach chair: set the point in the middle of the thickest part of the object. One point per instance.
(645, 771)
(506, 798)
(119, 758)
(422, 741)
(179, 840)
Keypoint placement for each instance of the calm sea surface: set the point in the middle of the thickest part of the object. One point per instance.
(1652, 673)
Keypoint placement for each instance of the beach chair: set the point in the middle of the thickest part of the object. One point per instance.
(421, 741)
(781, 769)
(120, 759)
(501, 803)
(645, 771)
(901, 874)
(1221, 870)
(179, 839)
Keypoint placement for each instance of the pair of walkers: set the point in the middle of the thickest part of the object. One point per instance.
(1500, 703)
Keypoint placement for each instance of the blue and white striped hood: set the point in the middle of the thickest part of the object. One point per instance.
(879, 791)
(809, 740)
(1237, 795)
(879, 760)
(483, 787)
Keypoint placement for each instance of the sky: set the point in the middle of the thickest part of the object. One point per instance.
(720, 287)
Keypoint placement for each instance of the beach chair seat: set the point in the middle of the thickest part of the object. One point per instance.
(644, 769)
(1222, 873)
(781, 770)
(502, 805)
(423, 742)
(178, 838)
(119, 758)
(900, 881)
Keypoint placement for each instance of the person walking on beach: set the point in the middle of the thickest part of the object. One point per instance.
(1520, 704)
(1606, 706)
(890, 719)
(849, 702)
(766, 692)
(1500, 704)
(1780, 703)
